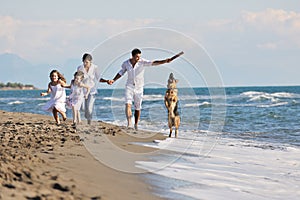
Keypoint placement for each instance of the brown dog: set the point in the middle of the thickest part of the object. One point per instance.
(171, 103)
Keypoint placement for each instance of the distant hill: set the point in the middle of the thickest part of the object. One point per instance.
(16, 86)
(15, 69)
(18, 70)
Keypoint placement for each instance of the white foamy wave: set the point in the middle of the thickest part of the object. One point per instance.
(24, 99)
(39, 99)
(286, 95)
(15, 102)
(45, 98)
(188, 105)
(155, 97)
(240, 105)
(205, 103)
(113, 98)
(273, 105)
(118, 122)
(229, 171)
(263, 97)
(201, 97)
(253, 95)
(111, 107)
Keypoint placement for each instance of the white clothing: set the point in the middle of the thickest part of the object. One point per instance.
(133, 95)
(57, 99)
(91, 78)
(135, 77)
(77, 96)
(135, 81)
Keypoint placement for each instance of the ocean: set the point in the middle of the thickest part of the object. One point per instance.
(234, 142)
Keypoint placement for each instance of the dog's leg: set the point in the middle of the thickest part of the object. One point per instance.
(170, 135)
(177, 123)
(176, 126)
(170, 125)
(167, 103)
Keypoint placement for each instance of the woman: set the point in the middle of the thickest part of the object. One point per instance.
(91, 78)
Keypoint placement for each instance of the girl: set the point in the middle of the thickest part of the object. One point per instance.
(58, 96)
(77, 95)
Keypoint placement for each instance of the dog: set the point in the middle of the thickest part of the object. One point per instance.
(171, 103)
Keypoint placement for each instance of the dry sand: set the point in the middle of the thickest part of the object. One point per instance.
(40, 160)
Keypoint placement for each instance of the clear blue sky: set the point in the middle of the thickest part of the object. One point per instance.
(251, 42)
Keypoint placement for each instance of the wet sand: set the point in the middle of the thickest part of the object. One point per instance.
(40, 160)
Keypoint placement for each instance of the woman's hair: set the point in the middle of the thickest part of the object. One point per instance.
(87, 56)
(60, 76)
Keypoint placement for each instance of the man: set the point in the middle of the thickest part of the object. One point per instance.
(135, 67)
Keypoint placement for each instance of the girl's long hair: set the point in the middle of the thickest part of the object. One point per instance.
(60, 76)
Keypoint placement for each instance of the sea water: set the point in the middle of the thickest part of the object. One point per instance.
(240, 142)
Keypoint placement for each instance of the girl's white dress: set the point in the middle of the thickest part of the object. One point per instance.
(57, 99)
(76, 97)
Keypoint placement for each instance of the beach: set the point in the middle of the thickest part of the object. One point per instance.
(40, 160)
(254, 156)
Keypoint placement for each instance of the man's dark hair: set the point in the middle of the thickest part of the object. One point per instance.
(87, 56)
(135, 51)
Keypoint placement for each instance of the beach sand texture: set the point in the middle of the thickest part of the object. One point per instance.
(40, 160)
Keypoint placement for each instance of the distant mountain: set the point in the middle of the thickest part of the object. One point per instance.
(12, 60)
(16, 69)
(11, 66)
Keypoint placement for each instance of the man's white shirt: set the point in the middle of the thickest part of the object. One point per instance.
(135, 74)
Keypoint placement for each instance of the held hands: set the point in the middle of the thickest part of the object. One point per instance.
(44, 94)
(110, 82)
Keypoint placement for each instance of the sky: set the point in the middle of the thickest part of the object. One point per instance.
(229, 42)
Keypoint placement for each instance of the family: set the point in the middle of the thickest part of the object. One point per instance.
(84, 88)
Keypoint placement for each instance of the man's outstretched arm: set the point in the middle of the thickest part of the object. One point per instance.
(167, 60)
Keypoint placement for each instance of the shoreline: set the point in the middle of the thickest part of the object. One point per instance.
(12, 88)
(42, 160)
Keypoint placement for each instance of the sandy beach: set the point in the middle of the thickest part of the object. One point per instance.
(40, 160)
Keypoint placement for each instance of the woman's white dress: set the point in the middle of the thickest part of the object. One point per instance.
(57, 99)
